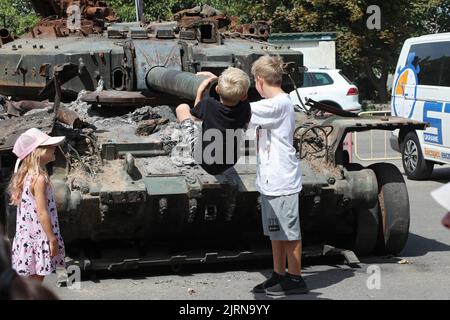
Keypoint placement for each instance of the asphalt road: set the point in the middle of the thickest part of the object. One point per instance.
(425, 275)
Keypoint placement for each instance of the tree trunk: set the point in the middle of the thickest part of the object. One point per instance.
(382, 92)
(379, 83)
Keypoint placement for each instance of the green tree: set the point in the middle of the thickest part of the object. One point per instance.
(124, 9)
(16, 16)
(360, 51)
(153, 10)
(164, 9)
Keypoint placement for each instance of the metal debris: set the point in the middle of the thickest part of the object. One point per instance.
(403, 261)
(148, 127)
(191, 291)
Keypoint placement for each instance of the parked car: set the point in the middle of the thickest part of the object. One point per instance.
(329, 86)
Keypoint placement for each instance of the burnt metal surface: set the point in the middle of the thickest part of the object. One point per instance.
(93, 13)
(121, 56)
(11, 129)
(187, 18)
(117, 98)
(89, 8)
(322, 135)
(330, 109)
(18, 108)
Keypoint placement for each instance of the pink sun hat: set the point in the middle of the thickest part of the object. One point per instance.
(30, 140)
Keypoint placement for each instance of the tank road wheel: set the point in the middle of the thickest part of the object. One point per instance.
(415, 166)
(393, 203)
(367, 230)
(366, 224)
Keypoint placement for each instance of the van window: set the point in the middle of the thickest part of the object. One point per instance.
(445, 77)
(434, 62)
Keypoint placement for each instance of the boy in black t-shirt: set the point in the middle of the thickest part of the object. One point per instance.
(217, 148)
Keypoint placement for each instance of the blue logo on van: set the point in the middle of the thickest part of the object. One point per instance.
(435, 123)
(406, 87)
(432, 122)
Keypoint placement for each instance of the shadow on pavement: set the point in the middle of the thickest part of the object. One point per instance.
(315, 280)
(336, 270)
(441, 174)
(419, 246)
(416, 246)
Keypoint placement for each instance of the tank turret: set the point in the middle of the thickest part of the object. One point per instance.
(120, 56)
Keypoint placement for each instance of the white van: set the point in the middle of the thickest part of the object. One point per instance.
(421, 91)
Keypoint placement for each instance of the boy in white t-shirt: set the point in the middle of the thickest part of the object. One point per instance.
(278, 177)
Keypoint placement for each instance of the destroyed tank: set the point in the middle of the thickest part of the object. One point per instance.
(125, 201)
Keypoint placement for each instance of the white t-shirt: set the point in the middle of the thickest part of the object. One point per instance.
(278, 169)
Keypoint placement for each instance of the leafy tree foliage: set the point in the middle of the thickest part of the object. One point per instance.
(124, 9)
(361, 52)
(16, 16)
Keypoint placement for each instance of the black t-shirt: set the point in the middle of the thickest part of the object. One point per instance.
(228, 122)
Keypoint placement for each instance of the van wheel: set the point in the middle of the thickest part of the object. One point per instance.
(414, 164)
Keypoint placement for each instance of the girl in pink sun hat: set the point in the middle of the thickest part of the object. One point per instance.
(38, 247)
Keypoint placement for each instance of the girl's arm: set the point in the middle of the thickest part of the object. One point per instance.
(40, 195)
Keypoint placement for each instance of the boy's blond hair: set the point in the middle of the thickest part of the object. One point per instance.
(233, 85)
(270, 68)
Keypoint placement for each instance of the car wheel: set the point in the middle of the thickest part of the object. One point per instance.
(414, 164)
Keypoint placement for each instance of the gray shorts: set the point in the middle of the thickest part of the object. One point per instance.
(280, 217)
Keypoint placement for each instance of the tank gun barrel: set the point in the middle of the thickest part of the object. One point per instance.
(178, 83)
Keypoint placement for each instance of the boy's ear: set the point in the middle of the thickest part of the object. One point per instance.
(217, 90)
(259, 80)
(244, 97)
